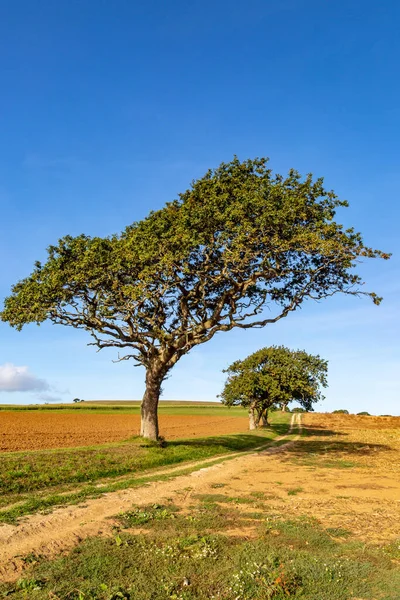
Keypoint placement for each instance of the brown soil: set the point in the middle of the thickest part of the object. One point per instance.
(36, 430)
(346, 478)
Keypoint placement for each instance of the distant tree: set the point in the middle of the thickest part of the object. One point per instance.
(363, 414)
(238, 241)
(272, 376)
(341, 411)
(77, 400)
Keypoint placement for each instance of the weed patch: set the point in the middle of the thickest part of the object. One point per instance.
(144, 515)
(294, 491)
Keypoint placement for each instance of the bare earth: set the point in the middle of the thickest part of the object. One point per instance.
(346, 473)
(27, 430)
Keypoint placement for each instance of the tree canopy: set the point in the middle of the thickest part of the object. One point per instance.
(274, 376)
(238, 241)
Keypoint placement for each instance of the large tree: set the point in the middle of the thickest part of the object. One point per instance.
(241, 247)
(274, 376)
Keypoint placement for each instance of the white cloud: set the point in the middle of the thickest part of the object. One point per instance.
(19, 379)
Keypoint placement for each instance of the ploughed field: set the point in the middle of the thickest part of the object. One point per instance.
(72, 427)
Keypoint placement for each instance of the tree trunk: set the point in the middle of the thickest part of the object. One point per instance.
(252, 419)
(264, 419)
(149, 407)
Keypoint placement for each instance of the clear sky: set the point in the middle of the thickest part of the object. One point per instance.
(109, 109)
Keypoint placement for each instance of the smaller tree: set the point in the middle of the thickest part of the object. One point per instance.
(273, 377)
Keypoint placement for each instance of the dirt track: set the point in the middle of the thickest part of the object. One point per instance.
(346, 478)
(65, 527)
(25, 430)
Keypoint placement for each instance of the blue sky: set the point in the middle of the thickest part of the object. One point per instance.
(109, 109)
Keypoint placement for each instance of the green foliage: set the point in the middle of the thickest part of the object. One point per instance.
(29, 585)
(363, 414)
(340, 411)
(273, 376)
(238, 238)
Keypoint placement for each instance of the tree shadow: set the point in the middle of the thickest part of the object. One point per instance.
(232, 441)
(309, 448)
(321, 431)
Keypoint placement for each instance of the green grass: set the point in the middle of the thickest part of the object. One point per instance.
(184, 556)
(165, 408)
(294, 491)
(24, 472)
(212, 498)
(32, 503)
(38, 480)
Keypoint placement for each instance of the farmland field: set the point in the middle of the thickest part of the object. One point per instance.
(314, 516)
(48, 453)
(70, 426)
